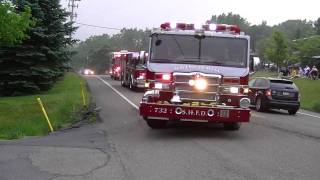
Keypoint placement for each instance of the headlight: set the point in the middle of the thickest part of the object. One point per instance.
(234, 90)
(245, 90)
(201, 84)
(244, 103)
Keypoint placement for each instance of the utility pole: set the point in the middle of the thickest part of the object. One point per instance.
(72, 7)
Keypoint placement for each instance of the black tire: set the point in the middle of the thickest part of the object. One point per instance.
(293, 111)
(156, 124)
(122, 82)
(131, 85)
(259, 105)
(231, 126)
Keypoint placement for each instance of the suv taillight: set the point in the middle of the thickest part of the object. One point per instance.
(268, 92)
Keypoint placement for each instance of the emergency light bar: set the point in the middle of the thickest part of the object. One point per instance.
(207, 27)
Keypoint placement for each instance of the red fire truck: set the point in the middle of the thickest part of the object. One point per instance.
(197, 73)
(115, 64)
(134, 70)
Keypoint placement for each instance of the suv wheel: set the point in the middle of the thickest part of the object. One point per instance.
(259, 105)
(231, 126)
(156, 124)
(292, 111)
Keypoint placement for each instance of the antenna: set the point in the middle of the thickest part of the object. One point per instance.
(73, 4)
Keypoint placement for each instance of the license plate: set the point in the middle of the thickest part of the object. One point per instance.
(286, 93)
(224, 113)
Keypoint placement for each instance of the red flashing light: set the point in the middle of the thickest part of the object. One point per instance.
(117, 69)
(235, 28)
(166, 77)
(206, 27)
(165, 25)
(190, 27)
(221, 27)
(181, 26)
(231, 80)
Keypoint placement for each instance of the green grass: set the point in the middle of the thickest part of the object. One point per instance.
(22, 116)
(309, 90)
(310, 93)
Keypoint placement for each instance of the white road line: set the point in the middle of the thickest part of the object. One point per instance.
(119, 93)
(309, 115)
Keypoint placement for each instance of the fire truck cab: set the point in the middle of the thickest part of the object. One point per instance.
(197, 73)
(115, 64)
(134, 70)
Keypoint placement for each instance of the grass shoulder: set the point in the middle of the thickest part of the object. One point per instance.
(22, 116)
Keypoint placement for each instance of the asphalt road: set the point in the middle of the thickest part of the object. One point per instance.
(273, 145)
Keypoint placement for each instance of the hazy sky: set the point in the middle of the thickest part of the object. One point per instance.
(151, 13)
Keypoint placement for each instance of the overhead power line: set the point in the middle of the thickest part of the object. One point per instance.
(96, 26)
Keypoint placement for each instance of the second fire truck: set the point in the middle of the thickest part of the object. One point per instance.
(133, 74)
(197, 73)
(115, 63)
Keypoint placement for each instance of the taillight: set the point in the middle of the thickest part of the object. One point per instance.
(268, 92)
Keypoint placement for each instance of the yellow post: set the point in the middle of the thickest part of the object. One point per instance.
(45, 114)
(83, 95)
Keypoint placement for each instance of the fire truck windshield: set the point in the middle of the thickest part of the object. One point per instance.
(207, 50)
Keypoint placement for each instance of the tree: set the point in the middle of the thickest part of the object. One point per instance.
(317, 26)
(94, 52)
(36, 63)
(277, 50)
(13, 24)
(230, 18)
(258, 35)
(296, 29)
(309, 47)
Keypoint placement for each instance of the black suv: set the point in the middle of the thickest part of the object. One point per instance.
(272, 93)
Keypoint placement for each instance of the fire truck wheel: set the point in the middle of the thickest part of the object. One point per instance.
(156, 124)
(122, 82)
(130, 84)
(231, 126)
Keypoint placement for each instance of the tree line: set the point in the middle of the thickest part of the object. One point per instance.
(286, 43)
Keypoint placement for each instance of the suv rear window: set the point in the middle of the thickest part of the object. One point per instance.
(281, 83)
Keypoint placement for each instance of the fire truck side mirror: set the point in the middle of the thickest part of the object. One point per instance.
(144, 66)
(158, 42)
